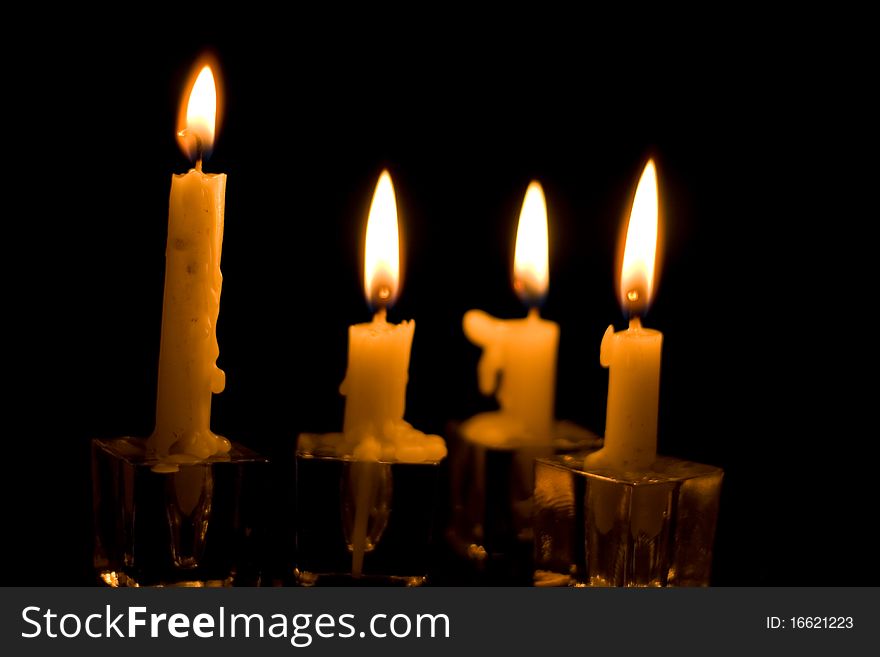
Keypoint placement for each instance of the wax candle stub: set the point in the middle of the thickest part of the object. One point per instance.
(518, 364)
(378, 353)
(375, 381)
(374, 432)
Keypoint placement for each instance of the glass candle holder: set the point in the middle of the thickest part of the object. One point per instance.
(492, 483)
(599, 527)
(390, 505)
(187, 524)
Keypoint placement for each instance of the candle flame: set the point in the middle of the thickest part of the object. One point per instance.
(198, 121)
(382, 251)
(531, 256)
(640, 250)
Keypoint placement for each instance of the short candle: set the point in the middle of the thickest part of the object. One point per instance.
(633, 355)
(375, 381)
(521, 352)
(378, 352)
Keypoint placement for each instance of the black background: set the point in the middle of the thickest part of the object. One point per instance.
(756, 125)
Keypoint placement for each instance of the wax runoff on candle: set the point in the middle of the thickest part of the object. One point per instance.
(188, 372)
(518, 364)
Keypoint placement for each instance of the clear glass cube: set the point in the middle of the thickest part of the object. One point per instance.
(597, 527)
(398, 520)
(491, 497)
(192, 524)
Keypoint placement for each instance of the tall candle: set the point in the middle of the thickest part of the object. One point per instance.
(633, 356)
(188, 372)
(520, 352)
(378, 351)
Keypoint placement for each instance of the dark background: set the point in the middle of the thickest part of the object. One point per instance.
(755, 123)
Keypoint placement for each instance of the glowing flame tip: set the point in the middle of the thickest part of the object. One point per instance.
(382, 250)
(198, 122)
(640, 249)
(531, 255)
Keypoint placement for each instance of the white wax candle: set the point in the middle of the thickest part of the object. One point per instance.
(378, 352)
(377, 374)
(633, 361)
(633, 355)
(518, 363)
(188, 372)
(375, 381)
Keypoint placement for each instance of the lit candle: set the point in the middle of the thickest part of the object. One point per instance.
(375, 381)
(188, 372)
(378, 352)
(521, 352)
(633, 355)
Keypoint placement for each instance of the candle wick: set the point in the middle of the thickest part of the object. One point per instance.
(379, 299)
(635, 323)
(381, 314)
(534, 313)
(200, 151)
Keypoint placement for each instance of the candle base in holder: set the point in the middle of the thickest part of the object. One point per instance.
(187, 524)
(492, 480)
(599, 527)
(396, 521)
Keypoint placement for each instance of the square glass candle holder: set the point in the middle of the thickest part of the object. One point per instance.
(598, 527)
(492, 482)
(399, 516)
(187, 524)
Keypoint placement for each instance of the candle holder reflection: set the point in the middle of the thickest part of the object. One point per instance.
(604, 527)
(189, 497)
(367, 489)
(362, 522)
(193, 523)
(492, 482)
